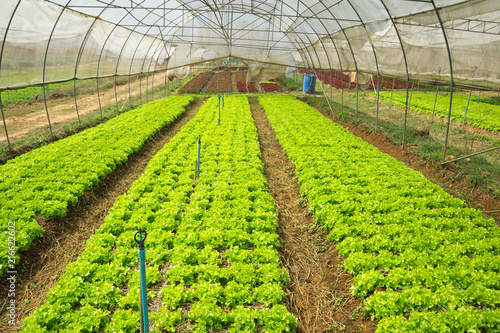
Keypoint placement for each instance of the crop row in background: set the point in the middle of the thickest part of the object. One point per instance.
(425, 260)
(485, 114)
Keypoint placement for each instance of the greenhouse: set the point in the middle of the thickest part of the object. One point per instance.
(250, 166)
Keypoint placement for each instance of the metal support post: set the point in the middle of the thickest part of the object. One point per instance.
(143, 292)
(4, 123)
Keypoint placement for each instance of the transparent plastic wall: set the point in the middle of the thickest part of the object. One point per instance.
(43, 42)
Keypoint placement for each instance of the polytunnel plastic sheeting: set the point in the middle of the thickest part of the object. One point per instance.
(56, 40)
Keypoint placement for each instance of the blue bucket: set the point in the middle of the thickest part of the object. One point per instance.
(309, 83)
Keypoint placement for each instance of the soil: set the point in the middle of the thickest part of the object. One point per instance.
(24, 120)
(444, 177)
(318, 293)
(65, 238)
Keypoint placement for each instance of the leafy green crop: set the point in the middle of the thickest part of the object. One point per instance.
(482, 115)
(46, 180)
(426, 262)
(211, 245)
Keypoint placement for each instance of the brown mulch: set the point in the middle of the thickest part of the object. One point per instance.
(444, 177)
(318, 293)
(65, 238)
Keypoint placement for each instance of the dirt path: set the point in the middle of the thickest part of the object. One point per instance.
(66, 238)
(318, 293)
(30, 119)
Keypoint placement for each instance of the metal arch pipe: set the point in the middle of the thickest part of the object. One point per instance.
(311, 43)
(326, 52)
(80, 51)
(193, 10)
(102, 50)
(353, 58)
(259, 15)
(1, 58)
(155, 59)
(135, 51)
(294, 42)
(406, 66)
(44, 69)
(118, 60)
(452, 82)
(117, 65)
(376, 60)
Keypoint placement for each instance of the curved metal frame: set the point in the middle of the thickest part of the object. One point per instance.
(406, 66)
(1, 57)
(452, 81)
(375, 57)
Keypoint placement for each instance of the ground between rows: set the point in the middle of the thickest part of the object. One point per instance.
(65, 238)
(318, 293)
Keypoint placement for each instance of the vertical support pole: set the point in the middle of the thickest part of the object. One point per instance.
(331, 87)
(129, 91)
(364, 88)
(357, 96)
(140, 87)
(342, 98)
(406, 112)
(147, 87)
(166, 88)
(452, 80)
(467, 108)
(47, 109)
(392, 91)
(425, 91)
(198, 161)
(411, 95)
(435, 101)
(218, 122)
(143, 290)
(479, 96)
(116, 96)
(98, 95)
(4, 124)
(76, 104)
(378, 102)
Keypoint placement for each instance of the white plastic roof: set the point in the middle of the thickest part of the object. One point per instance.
(56, 40)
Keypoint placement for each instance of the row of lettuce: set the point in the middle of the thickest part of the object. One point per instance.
(481, 115)
(426, 262)
(46, 180)
(211, 244)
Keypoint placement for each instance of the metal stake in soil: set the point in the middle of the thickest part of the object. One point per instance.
(218, 121)
(198, 161)
(143, 292)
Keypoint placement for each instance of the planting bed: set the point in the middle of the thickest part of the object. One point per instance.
(196, 84)
(211, 247)
(46, 180)
(425, 260)
(219, 83)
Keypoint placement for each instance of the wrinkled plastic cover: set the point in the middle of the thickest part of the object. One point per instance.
(59, 40)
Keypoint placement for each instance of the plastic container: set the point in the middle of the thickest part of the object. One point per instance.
(309, 83)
